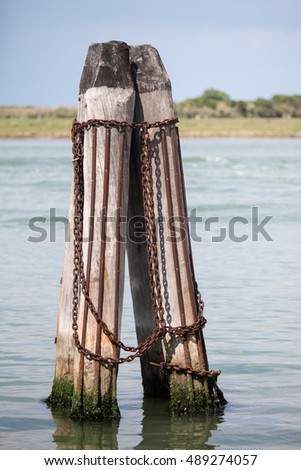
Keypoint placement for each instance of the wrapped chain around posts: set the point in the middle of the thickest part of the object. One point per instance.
(79, 280)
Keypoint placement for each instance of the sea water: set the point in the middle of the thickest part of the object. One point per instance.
(244, 206)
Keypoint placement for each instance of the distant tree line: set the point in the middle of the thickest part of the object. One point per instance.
(215, 103)
(212, 103)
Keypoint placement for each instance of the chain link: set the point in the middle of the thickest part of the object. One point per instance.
(79, 279)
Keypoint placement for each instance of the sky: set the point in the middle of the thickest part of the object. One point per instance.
(247, 48)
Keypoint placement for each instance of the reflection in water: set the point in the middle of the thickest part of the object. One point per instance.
(159, 430)
(162, 431)
(84, 435)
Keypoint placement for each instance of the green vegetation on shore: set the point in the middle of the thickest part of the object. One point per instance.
(213, 114)
(240, 127)
(218, 104)
(35, 122)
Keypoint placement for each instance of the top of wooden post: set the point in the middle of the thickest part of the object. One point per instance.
(116, 64)
(150, 72)
(107, 64)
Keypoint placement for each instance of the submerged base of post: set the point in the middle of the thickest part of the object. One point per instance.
(187, 396)
(194, 396)
(91, 407)
(87, 406)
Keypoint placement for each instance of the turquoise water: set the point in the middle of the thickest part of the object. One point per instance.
(251, 290)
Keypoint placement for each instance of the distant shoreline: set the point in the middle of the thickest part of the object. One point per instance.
(182, 136)
(56, 128)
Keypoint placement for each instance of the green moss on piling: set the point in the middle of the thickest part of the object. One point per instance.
(189, 399)
(92, 406)
(89, 406)
(61, 394)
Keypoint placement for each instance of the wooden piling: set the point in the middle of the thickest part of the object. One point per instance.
(134, 169)
(189, 393)
(106, 92)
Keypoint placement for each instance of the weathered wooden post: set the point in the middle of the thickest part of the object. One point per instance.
(123, 91)
(106, 92)
(178, 363)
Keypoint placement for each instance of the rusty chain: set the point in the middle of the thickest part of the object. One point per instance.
(79, 279)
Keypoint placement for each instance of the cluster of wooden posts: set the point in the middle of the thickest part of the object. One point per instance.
(128, 168)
